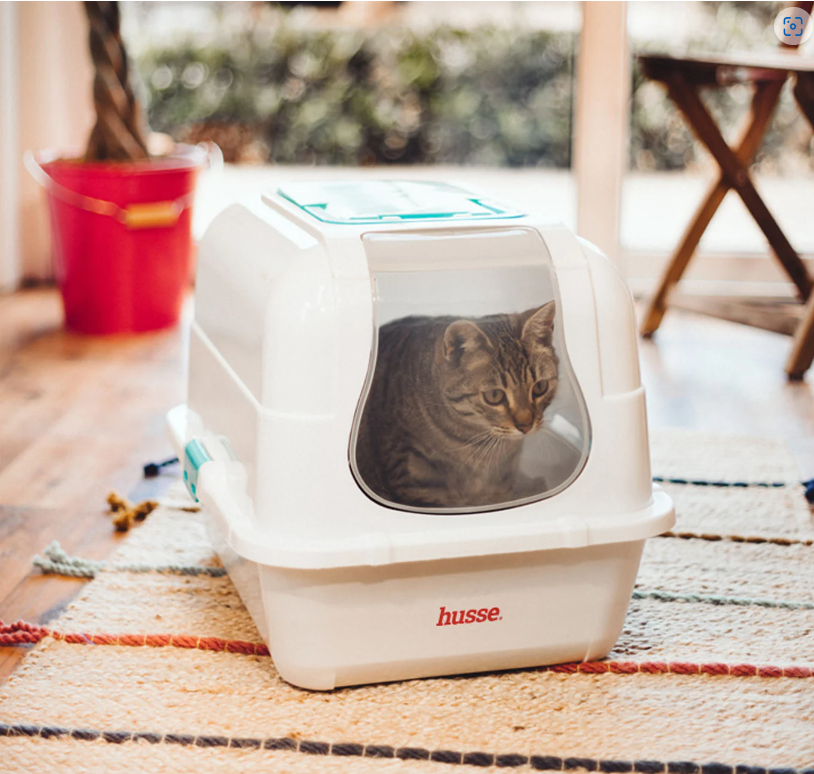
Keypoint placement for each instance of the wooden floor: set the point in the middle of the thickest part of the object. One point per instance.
(79, 416)
(719, 376)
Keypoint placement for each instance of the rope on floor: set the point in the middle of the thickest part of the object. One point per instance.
(23, 632)
(57, 562)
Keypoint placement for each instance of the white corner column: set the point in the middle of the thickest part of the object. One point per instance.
(55, 95)
(10, 256)
(601, 124)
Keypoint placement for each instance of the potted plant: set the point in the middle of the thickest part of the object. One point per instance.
(120, 217)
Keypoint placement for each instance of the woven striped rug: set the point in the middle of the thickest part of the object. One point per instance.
(162, 669)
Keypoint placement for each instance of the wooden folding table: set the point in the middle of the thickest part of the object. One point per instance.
(684, 77)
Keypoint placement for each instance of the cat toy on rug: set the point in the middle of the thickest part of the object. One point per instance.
(415, 424)
(126, 514)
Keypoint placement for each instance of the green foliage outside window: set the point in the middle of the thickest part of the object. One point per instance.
(276, 91)
(490, 96)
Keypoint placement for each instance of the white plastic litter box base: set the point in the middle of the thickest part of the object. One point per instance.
(349, 626)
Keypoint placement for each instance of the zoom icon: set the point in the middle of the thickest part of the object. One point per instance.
(793, 26)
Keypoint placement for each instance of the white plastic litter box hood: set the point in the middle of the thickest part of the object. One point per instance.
(405, 397)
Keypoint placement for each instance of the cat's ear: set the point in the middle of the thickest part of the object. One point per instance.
(538, 329)
(463, 338)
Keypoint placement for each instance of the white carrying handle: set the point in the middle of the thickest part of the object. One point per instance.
(133, 216)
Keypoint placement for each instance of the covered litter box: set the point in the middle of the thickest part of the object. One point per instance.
(416, 426)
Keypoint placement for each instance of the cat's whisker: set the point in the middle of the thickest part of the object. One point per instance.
(476, 440)
(469, 460)
(481, 454)
(483, 457)
(475, 453)
(495, 448)
(491, 454)
(478, 437)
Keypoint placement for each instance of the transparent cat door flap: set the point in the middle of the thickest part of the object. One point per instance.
(470, 402)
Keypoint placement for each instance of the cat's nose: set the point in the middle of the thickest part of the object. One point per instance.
(524, 421)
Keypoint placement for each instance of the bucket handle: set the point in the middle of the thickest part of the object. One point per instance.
(134, 216)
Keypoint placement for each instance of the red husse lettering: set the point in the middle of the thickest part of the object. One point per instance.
(454, 617)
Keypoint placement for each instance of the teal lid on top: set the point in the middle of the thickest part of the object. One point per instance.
(383, 201)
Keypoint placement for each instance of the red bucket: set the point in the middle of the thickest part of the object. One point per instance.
(122, 241)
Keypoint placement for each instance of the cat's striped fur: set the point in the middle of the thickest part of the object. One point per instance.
(450, 403)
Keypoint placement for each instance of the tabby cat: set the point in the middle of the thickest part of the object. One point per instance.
(450, 402)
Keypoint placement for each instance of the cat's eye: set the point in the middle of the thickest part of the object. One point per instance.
(539, 388)
(494, 397)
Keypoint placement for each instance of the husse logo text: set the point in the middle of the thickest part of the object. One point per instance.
(454, 617)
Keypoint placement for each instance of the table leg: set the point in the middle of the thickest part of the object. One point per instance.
(763, 103)
(802, 345)
(804, 94)
(802, 348)
(681, 258)
(738, 177)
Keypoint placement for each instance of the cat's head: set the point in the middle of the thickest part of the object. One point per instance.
(499, 374)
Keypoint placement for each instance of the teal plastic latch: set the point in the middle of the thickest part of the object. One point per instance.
(194, 456)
